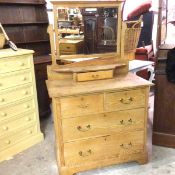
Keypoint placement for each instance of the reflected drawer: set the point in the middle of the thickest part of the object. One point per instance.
(111, 146)
(85, 104)
(103, 124)
(15, 63)
(15, 94)
(16, 109)
(15, 79)
(67, 47)
(11, 125)
(16, 137)
(98, 75)
(125, 100)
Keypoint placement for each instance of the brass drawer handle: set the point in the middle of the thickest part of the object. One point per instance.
(28, 119)
(26, 106)
(29, 132)
(68, 47)
(126, 101)
(84, 106)
(129, 122)
(23, 78)
(127, 146)
(95, 76)
(86, 128)
(85, 154)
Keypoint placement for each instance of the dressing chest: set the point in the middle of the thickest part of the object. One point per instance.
(19, 121)
(99, 123)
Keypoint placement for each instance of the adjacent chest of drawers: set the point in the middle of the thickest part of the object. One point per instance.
(19, 121)
(99, 123)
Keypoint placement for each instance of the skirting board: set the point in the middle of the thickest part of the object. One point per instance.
(163, 139)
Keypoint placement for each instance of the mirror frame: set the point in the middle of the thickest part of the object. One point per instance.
(89, 4)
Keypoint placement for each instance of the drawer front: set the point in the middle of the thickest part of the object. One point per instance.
(94, 75)
(81, 105)
(111, 146)
(68, 47)
(16, 109)
(11, 125)
(103, 124)
(13, 95)
(15, 63)
(17, 137)
(124, 100)
(11, 80)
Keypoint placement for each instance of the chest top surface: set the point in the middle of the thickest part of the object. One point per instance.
(67, 88)
(10, 53)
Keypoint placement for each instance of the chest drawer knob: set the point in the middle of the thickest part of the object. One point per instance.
(126, 101)
(122, 122)
(86, 128)
(5, 128)
(21, 64)
(3, 114)
(29, 132)
(8, 142)
(25, 92)
(28, 119)
(2, 99)
(23, 78)
(85, 153)
(126, 146)
(26, 106)
(130, 121)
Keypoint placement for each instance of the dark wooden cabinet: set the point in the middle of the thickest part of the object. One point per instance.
(164, 112)
(26, 22)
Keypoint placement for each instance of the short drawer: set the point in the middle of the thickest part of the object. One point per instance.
(111, 146)
(15, 123)
(98, 75)
(15, 94)
(67, 47)
(125, 100)
(16, 137)
(15, 63)
(103, 124)
(16, 109)
(85, 104)
(15, 79)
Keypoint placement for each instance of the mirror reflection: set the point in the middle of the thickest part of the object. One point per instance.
(87, 30)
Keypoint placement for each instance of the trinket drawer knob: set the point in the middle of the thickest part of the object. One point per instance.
(8, 142)
(23, 78)
(26, 106)
(86, 128)
(83, 106)
(29, 132)
(2, 99)
(4, 114)
(21, 64)
(95, 76)
(5, 128)
(25, 92)
(86, 153)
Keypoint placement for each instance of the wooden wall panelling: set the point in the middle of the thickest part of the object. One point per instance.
(26, 24)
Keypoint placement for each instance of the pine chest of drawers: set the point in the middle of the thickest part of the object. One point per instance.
(19, 120)
(99, 123)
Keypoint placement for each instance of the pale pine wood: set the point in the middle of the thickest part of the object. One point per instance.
(19, 120)
(96, 125)
(84, 104)
(124, 100)
(120, 131)
(99, 75)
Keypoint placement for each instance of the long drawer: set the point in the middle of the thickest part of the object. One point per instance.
(18, 122)
(16, 137)
(15, 63)
(81, 105)
(112, 146)
(16, 109)
(123, 100)
(15, 94)
(14, 79)
(103, 124)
